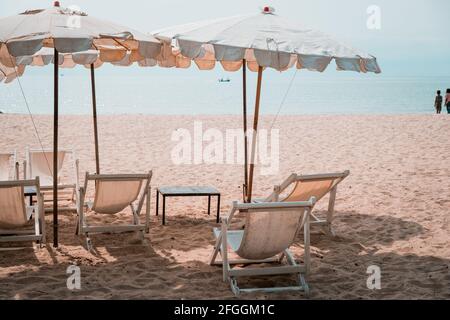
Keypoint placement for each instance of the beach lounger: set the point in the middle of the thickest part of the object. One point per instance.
(306, 186)
(113, 194)
(40, 163)
(270, 229)
(19, 222)
(9, 167)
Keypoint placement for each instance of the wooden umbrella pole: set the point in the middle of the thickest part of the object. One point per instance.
(255, 131)
(94, 114)
(55, 147)
(244, 106)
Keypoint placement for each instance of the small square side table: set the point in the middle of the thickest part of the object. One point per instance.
(176, 191)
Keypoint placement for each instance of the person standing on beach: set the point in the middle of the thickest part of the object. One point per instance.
(438, 102)
(447, 100)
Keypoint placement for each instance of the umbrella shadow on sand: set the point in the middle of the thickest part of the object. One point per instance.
(173, 263)
(120, 266)
(118, 269)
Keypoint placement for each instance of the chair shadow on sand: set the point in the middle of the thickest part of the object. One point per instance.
(119, 269)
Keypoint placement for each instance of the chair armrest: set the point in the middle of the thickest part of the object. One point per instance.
(274, 205)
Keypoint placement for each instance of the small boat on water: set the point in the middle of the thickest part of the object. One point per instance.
(224, 80)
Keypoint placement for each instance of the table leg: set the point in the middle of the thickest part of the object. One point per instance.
(164, 210)
(157, 201)
(218, 209)
(209, 205)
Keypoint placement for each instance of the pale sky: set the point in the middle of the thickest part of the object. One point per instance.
(413, 39)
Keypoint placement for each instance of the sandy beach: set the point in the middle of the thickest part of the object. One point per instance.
(392, 211)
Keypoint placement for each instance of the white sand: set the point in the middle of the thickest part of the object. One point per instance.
(393, 210)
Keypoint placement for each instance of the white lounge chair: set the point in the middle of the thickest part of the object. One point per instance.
(114, 193)
(270, 229)
(9, 167)
(306, 186)
(40, 163)
(16, 216)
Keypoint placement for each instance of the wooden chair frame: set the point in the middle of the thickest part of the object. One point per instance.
(292, 267)
(83, 228)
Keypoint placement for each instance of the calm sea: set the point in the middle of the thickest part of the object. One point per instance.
(170, 91)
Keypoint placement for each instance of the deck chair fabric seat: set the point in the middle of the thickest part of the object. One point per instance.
(13, 211)
(306, 186)
(270, 229)
(16, 216)
(113, 194)
(23, 223)
(41, 165)
(9, 167)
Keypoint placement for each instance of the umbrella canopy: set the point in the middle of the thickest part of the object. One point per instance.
(68, 37)
(261, 40)
(87, 58)
(68, 31)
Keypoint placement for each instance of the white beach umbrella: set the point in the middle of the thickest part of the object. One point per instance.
(68, 37)
(262, 40)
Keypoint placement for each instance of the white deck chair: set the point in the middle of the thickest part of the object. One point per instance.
(40, 163)
(16, 216)
(270, 229)
(9, 164)
(306, 186)
(114, 193)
